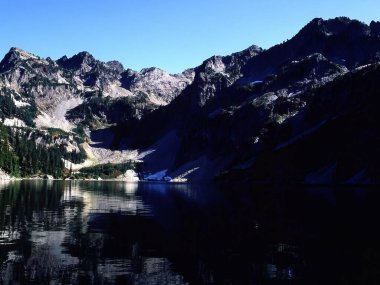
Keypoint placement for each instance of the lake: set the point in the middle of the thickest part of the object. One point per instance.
(81, 232)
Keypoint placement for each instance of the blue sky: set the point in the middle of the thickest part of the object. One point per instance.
(170, 34)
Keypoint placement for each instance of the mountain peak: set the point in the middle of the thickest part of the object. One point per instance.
(76, 61)
(249, 52)
(253, 49)
(115, 65)
(151, 70)
(14, 56)
(22, 54)
(84, 55)
(375, 28)
(334, 26)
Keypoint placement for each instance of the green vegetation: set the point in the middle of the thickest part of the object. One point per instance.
(22, 156)
(40, 80)
(8, 109)
(80, 133)
(106, 110)
(74, 156)
(105, 171)
(54, 133)
(9, 161)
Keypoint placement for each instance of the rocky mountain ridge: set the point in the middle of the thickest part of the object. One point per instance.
(58, 86)
(228, 130)
(229, 117)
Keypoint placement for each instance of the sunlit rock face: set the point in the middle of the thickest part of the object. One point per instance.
(160, 86)
(218, 73)
(56, 87)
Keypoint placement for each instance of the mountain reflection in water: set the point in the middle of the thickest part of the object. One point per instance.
(80, 232)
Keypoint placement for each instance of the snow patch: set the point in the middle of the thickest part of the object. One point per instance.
(61, 79)
(183, 177)
(4, 175)
(77, 166)
(293, 94)
(201, 169)
(129, 176)
(158, 176)
(19, 103)
(362, 67)
(71, 147)
(145, 153)
(14, 122)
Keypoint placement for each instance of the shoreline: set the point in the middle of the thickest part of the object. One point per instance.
(92, 180)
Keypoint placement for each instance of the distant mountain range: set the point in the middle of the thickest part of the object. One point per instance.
(302, 111)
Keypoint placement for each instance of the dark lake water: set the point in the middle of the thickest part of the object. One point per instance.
(56, 232)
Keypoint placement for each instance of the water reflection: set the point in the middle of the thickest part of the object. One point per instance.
(80, 232)
(130, 188)
(76, 232)
(3, 184)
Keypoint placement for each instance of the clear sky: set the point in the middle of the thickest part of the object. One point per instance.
(170, 34)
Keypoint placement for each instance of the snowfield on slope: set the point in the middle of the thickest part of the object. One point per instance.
(4, 175)
(15, 122)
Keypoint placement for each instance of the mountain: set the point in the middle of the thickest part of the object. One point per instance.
(160, 86)
(62, 101)
(58, 86)
(334, 139)
(225, 133)
(301, 111)
(346, 42)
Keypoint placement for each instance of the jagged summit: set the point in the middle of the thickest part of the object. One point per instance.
(250, 51)
(77, 61)
(85, 60)
(161, 86)
(341, 40)
(55, 87)
(22, 54)
(375, 28)
(115, 65)
(14, 56)
(245, 54)
(151, 69)
(336, 26)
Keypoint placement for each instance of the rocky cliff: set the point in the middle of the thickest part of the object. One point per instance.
(223, 124)
(54, 87)
(253, 115)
